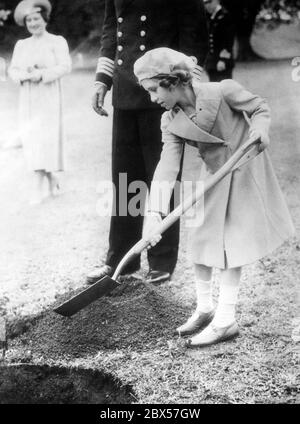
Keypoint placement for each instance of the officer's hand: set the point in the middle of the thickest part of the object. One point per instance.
(150, 233)
(221, 66)
(264, 138)
(98, 100)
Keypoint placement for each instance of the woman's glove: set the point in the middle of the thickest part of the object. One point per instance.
(25, 76)
(150, 233)
(35, 75)
(264, 138)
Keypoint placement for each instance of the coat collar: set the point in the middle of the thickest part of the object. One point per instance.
(185, 128)
(208, 102)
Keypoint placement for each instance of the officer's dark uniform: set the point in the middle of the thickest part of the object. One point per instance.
(132, 27)
(221, 40)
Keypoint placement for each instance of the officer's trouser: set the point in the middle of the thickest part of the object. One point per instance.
(136, 149)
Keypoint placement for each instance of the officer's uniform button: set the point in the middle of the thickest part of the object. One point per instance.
(143, 33)
(120, 20)
(120, 48)
(143, 18)
(142, 47)
(120, 34)
(120, 62)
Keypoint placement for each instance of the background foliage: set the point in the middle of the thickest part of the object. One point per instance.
(80, 21)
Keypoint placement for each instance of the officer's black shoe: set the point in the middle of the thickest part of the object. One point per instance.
(101, 271)
(98, 273)
(157, 277)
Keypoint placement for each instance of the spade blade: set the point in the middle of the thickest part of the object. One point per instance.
(87, 296)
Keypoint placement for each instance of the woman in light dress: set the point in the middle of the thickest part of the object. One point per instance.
(38, 64)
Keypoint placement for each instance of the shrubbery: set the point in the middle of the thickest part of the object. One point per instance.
(276, 12)
(80, 21)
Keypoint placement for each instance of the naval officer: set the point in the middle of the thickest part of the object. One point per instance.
(130, 28)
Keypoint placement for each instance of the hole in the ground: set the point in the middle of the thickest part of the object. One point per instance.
(30, 384)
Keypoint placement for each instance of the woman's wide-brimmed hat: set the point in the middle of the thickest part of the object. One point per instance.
(26, 7)
(162, 61)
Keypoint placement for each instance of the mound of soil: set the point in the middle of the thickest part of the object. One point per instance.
(30, 384)
(139, 317)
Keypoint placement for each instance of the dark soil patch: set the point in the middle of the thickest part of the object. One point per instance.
(30, 384)
(137, 317)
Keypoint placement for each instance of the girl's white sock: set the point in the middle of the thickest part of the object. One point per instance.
(204, 296)
(228, 295)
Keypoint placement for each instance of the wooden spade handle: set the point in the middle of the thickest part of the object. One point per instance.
(246, 152)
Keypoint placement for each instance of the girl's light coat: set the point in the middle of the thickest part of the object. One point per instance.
(40, 104)
(245, 215)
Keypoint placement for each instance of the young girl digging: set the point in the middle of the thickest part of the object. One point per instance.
(245, 215)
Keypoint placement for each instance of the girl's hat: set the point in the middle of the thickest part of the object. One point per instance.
(27, 7)
(162, 61)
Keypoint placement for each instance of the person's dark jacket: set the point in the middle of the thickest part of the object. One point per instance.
(132, 27)
(221, 40)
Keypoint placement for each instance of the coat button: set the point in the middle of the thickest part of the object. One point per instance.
(142, 33)
(142, 47)
(143, 18)
(120, 48)
(120, 34)
(120, 20)
(120, 62)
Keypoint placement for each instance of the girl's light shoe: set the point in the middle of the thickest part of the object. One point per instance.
(212, 335)
(54, 187)
(195, 323)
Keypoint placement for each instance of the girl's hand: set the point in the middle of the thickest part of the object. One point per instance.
(153, 220)
(264, 138)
